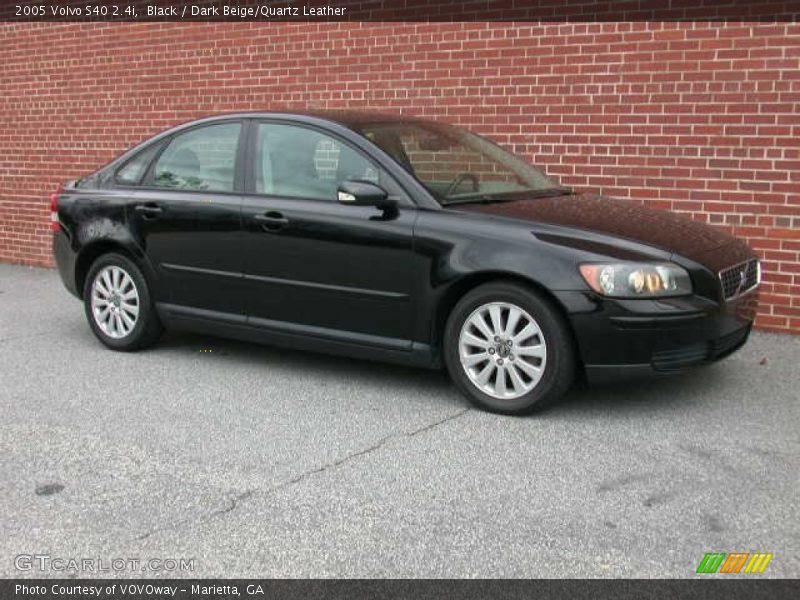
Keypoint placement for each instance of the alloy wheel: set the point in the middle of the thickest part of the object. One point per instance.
(502, 350)
(115, 302)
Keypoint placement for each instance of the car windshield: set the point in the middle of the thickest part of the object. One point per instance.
(457, 166)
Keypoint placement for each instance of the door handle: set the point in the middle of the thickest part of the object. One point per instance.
(272, 221)
(149, 210)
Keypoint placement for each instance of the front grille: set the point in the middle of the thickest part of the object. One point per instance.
(740, 279)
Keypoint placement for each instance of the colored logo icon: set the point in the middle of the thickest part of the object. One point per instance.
(735, 562)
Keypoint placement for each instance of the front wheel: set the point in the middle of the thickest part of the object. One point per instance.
(118, 304)
(508, 349)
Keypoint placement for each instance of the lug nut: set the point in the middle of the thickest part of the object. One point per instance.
(510, 357)
(491, 350)
(499, 361)
(497, 338)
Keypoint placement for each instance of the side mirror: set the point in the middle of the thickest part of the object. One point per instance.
(362, 193)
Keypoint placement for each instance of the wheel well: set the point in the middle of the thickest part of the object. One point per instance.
(91, 254)
(462, 287)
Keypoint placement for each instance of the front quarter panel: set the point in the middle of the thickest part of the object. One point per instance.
(454, 247)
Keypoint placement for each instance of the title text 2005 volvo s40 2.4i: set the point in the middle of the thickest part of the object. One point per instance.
(399, 239)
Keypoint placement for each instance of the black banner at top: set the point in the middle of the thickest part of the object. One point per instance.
(398, 10)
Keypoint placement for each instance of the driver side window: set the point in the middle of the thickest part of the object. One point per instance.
(299, 162)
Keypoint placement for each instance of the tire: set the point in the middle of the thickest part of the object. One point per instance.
(532, 379)
(118, 276)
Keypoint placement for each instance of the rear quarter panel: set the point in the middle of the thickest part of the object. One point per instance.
(94, 222)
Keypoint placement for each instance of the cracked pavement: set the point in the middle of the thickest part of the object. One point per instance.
(261, 462)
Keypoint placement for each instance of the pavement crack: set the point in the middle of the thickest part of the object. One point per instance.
(152, 532)
(377, 446)
(332, 465)
(435, 424)
(234, 502)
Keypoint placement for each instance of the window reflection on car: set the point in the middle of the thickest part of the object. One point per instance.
(456, 165)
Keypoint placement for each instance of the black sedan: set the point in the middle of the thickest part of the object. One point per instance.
(400, 239)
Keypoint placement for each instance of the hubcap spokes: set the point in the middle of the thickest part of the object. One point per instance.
(115, 302)
(502, 350)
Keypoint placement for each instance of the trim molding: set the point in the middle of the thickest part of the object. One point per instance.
(329, 287)
(201, 271)
(293, 282)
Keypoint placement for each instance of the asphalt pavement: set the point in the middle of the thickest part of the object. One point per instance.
(259, 462)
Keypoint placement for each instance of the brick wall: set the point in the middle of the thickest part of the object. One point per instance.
(696, 117)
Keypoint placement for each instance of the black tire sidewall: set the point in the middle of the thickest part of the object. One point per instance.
(559, 369)
(143, 330)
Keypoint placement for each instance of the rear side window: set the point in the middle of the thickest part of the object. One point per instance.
(200, 159)
(298, 162)
(132, 171)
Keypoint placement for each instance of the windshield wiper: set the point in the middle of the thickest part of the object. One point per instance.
(487, 198)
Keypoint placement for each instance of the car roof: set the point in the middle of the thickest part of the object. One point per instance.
(351, 119)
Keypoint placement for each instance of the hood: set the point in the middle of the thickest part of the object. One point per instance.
(621, 218)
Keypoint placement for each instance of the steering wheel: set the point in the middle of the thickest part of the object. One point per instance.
(459, 179)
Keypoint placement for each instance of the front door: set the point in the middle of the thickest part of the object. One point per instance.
(312, 265)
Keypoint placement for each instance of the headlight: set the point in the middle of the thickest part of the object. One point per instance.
(637, 280)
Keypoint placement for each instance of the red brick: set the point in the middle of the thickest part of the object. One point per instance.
(697, 117)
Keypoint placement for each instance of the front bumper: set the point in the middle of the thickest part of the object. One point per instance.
(623, 339)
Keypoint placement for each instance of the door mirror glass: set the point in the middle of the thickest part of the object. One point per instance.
(361, 193)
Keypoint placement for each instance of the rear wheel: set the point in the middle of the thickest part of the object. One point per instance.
(118, 304)
(508, 349)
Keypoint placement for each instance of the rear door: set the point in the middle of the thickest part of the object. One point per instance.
(187, 216)
(315, 266)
